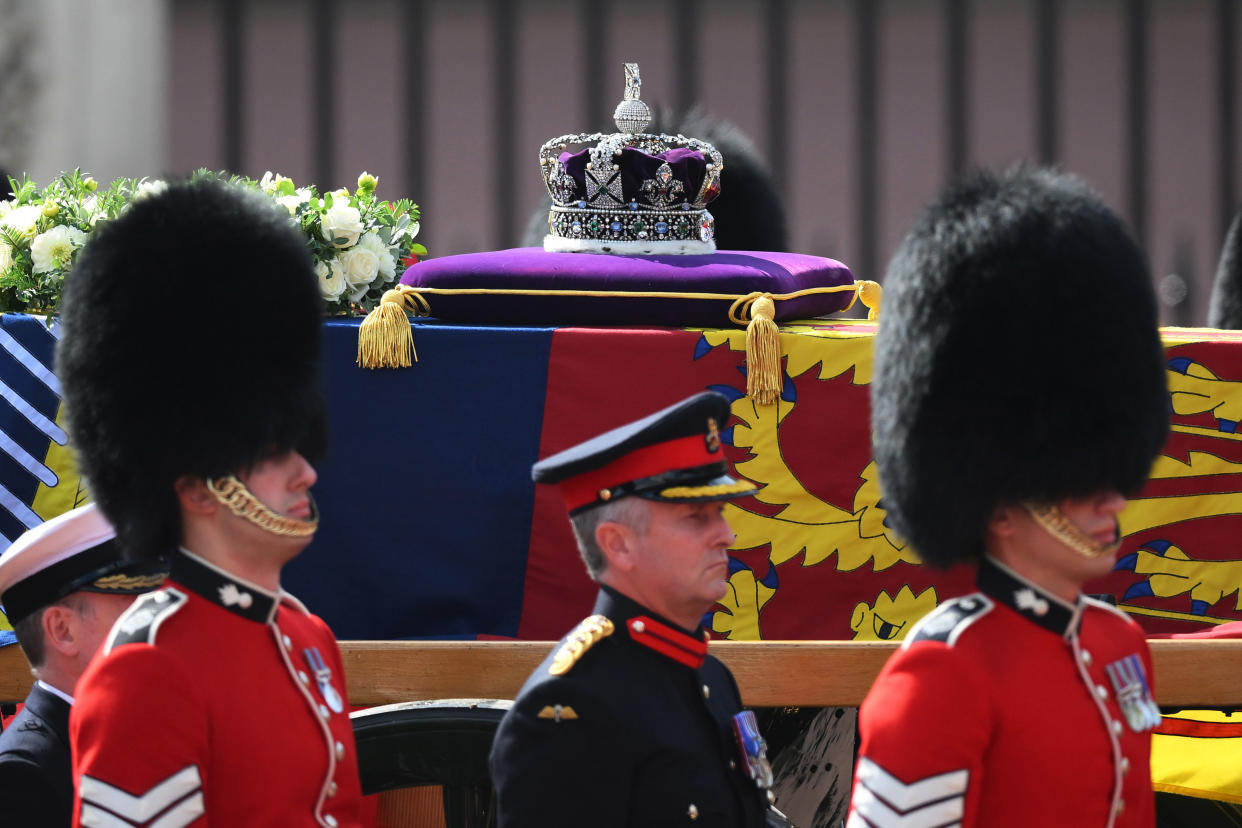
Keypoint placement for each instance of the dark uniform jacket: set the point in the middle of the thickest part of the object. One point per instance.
(215, 702)
(636, 732)
(1010, 707)
(36, 783)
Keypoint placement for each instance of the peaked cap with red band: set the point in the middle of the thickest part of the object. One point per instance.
(673, 455)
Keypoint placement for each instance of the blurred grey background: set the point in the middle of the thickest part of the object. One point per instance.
(864, 108)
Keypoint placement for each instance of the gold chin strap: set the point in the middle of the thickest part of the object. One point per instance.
(241, 501)
(1055, 523)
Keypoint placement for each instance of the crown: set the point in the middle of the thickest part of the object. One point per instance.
(633, 192)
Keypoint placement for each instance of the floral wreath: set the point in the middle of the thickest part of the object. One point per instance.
(356, 240)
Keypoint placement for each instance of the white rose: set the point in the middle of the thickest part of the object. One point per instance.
(23, 219)
(359, 265)
(149, 188)
(341, 221)
(331, 281)
(53, 250)
(387, 265)
(292, 202)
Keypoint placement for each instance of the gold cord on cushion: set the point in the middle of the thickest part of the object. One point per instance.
(385, 339)
(1055, 523)
(241, 501)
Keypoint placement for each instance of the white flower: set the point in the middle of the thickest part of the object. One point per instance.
(331, 280)
(23, 219)
(149, 188)
(292, 202)
(359, 265)
(268, 182)
(53, 250)
(341, 221)
(386, 264)
(91, 205)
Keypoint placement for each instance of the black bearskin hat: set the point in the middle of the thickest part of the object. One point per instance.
(1017, 360)
(1225, 310)
(190, 346)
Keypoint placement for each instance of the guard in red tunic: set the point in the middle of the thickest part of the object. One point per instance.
(190, 366)
(1019, 394)
(629, 721)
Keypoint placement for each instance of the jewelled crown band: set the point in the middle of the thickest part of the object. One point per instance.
(633, 192)
(232, 493)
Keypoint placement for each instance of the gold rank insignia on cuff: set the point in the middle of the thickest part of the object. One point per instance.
(558, 712)
(586, 635)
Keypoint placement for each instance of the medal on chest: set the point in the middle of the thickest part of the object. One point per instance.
(753, 749)
(1133, 693)
(323, 679)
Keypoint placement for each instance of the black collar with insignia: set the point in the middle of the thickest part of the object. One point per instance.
(651, 630)
(234, 594)
(1028, 599)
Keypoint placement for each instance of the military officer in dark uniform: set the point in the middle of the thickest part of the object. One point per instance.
(629, 721)
(63, 584)
(1019, 396)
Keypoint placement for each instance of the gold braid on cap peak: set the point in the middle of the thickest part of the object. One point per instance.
(241, 501)
(128, 582)
(1053, 521)
(735, 487)
(584, 636)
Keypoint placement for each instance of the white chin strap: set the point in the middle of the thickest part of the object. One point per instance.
(241, 501)
(1055, 523)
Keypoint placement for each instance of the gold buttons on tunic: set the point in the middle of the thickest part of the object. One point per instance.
(287, 642)
(323, 713)
(1120, 807)
(1085, 657)
(302, 677)
(331, 820)
(707, 692)
(340, 751)
(331, 789)
(1125, 765)
(693, 811)
(1102, 692)
(1116, 727)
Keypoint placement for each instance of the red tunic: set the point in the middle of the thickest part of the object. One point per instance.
(1010, 707)
(215, 702)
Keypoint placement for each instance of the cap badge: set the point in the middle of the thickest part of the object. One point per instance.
(753, 749)
(323, 678)
(230, 595)
(713, 436)
(1133, 693)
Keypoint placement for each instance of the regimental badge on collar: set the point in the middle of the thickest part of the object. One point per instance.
(1133, 693)
(323, 678)
(753, 749)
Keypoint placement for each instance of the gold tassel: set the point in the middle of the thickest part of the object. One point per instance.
(763, 352)
(385, 337)
(870, 293)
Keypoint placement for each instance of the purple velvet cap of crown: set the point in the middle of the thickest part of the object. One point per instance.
(733, 272)
(689, 167)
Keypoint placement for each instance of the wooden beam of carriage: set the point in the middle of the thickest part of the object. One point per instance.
(770, 673)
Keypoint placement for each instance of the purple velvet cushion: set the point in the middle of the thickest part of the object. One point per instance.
(731, 272)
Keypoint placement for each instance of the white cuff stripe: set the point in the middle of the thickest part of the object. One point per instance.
(871, 808)
(139, 809)
(905, 797)
(183, 813)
